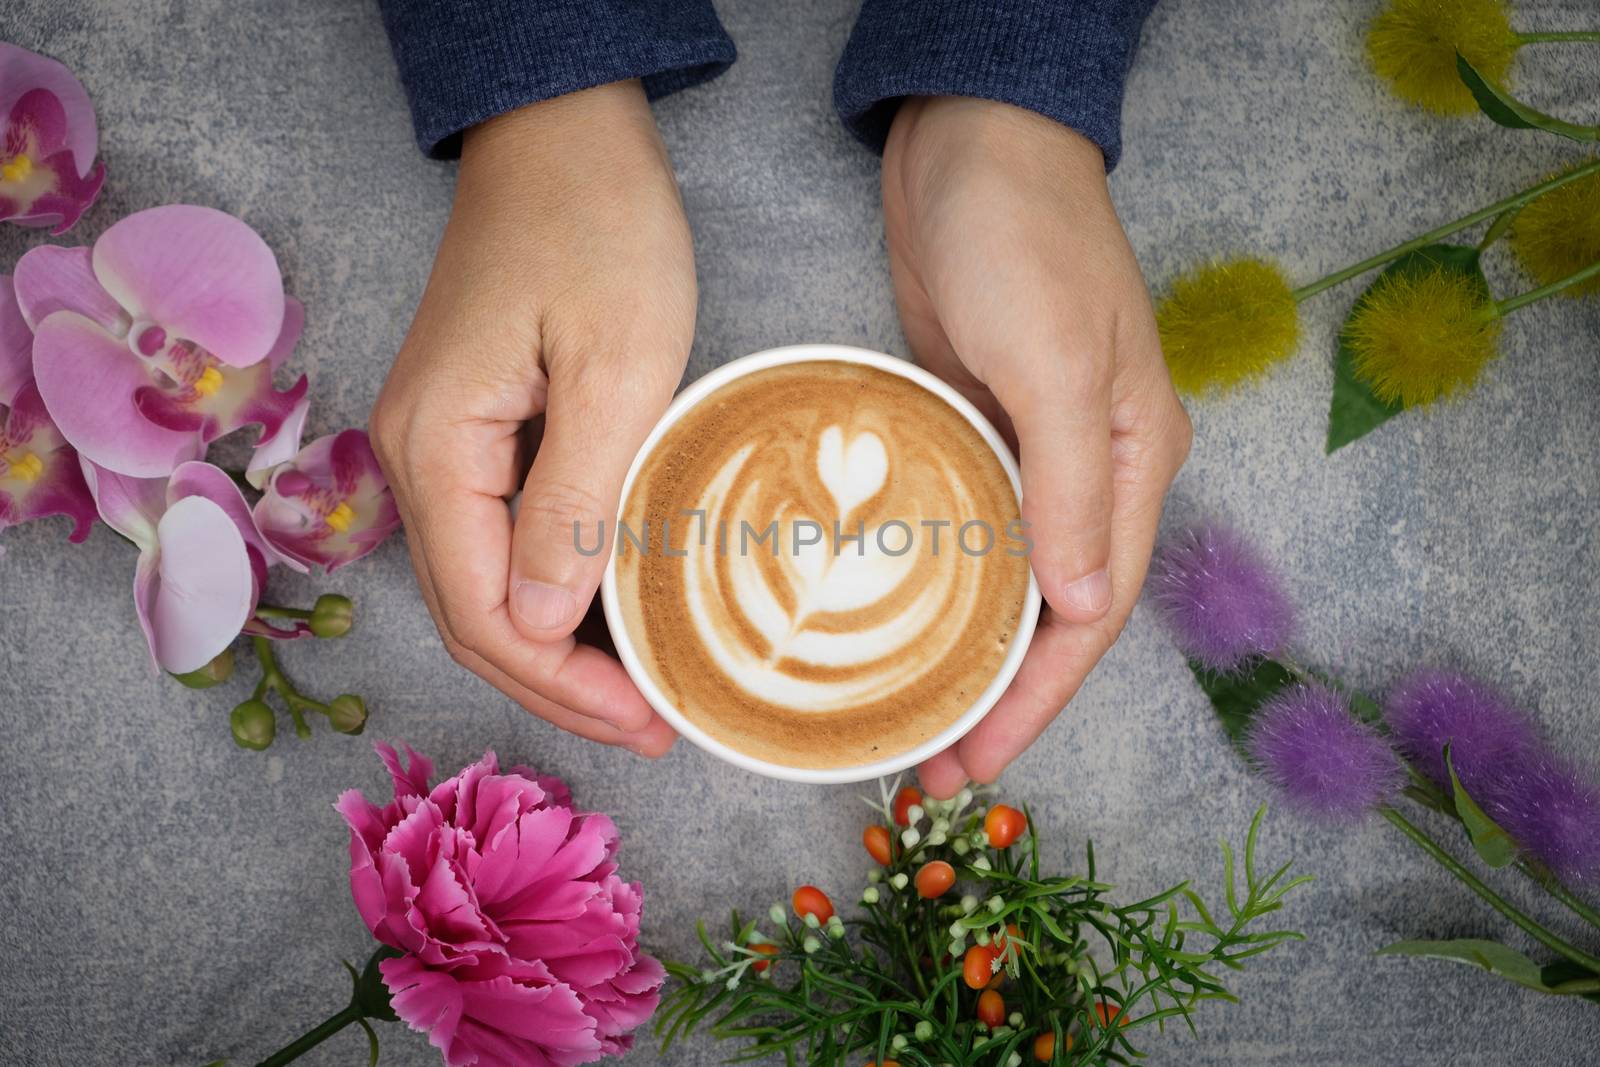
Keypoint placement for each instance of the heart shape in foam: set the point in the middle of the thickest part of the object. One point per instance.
(852, 473)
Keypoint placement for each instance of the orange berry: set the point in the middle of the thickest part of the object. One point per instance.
(1108, 1012)
(809, 900)
(880, 846)
(991, 1008)
(886, 1063)
(977, 967)
(998, 980)
(1004, 824)
(765, 948)
(903, 800)
(934, 879)
(1044, 1047)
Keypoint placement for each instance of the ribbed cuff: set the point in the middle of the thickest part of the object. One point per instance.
(464, 61)
(1065, 59)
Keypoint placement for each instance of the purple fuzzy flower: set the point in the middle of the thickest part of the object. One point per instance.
(1551, 808)
(1328, 765)
(1222, 602)
(1432, 707)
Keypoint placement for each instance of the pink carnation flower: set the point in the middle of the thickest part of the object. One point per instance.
(161, 338)
(520, 942)
(39, 472)
(48, 173)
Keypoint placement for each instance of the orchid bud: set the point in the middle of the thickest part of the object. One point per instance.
(778, 915)
(899, 881)
(254, 725)
(923, 1031)
(216, 672)
(332, 615)
(810, 944)
(347, 713)
(869, 895)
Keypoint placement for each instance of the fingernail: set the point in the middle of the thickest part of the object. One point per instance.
(1091, 595)
(544, 606)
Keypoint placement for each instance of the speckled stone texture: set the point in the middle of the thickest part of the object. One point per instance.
(166, 898)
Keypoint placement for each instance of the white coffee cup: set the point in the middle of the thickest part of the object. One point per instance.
(629, 655)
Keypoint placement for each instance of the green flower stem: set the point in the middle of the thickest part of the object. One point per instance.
(1558, 35)
(1498, 228)
(313, 1037)
(1577, 277)
(274, 680)
(1516, 201)
(272, 611)
(1561, 893)
(1489, 896)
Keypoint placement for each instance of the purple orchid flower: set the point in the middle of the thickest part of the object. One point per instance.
(48, 173)
(202, 561)
(39, 472)
(160, 339)
(329, 505)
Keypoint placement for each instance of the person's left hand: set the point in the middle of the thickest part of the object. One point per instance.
(1017, 286)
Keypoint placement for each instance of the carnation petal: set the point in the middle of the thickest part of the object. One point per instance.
(198, 273)
(205, 589)
(89, 382)
(409, 780)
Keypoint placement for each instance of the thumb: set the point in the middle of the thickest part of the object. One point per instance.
(594, 424)
(1063, 427)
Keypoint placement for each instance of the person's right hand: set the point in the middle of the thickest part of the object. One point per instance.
(564, 288)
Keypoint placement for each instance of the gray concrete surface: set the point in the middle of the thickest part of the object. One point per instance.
(166, 898)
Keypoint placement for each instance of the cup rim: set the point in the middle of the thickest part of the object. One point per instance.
(691, 396)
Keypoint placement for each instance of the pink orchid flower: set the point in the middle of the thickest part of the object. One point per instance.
(202, 562)
(330, 504)
(520, 943)
(160, 339)
(48, 173)
(39, 472)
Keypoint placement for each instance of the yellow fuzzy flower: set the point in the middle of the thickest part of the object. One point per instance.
(1227, 322)
(1413, 46)
(1559, 233)
(1421, 335)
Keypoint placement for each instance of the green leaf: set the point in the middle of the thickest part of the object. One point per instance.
(1494, 845)
(1356, 411)
(1492, 956)
(372, 1043)
(1508, 111)
(1236, 697)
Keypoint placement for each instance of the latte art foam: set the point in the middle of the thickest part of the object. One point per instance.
(797, 581)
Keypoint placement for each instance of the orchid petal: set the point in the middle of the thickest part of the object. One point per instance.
(41, 184)
(39, 472)
(131, 506)
(198, 273)
(289, 331)
(205, 590)
(146, 580)
(204, 480)
(16, 344)
(280, 448)
(89, 381)
(22, 71)
(51, 278)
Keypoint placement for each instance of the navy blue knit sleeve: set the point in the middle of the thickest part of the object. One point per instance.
(1065, 59)
(464, 61)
